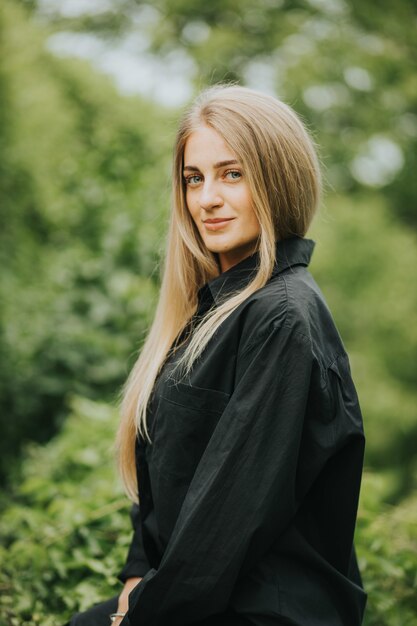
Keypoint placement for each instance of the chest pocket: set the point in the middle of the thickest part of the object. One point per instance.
(184, 422)
(195, 398)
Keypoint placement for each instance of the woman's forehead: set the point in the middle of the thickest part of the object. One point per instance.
(205, 145)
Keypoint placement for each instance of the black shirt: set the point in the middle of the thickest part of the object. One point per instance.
(249, 490)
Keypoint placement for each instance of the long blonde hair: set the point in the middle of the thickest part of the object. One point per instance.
(282, 169)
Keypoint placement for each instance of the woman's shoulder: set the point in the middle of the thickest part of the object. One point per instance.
(292, 300)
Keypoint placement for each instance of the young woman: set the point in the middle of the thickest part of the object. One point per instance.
(241, 441)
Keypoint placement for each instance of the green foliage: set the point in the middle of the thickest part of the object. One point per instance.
(363, 262)
(346, 66)
(85, 216)
(65, 529)
(84, 177)
(386, 540)
(83, 190)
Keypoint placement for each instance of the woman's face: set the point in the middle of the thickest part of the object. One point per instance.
(218, 197)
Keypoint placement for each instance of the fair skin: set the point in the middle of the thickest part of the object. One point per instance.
(218, 197)
(124, 596)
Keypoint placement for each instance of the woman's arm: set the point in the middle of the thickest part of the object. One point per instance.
(123, 598)
(136, 564)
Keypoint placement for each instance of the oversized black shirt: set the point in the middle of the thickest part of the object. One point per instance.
(249, 491)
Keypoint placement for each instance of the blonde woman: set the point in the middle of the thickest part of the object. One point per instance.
(241, 440)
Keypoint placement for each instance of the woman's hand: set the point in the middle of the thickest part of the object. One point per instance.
(123, 598)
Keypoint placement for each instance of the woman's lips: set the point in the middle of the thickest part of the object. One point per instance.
(217, 223)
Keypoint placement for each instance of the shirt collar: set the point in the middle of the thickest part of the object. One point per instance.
(288, 253)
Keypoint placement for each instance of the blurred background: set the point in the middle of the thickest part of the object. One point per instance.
(90, 95)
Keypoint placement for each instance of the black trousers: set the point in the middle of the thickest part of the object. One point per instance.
(97, 615)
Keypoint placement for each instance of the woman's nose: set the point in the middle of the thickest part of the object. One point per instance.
(209, 196)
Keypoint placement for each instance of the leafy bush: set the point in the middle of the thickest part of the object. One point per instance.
(386, 540)
(65, 531)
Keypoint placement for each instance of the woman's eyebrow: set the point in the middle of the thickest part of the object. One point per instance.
(194, 168)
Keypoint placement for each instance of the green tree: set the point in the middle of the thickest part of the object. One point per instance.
(346, 66)
(83, 187)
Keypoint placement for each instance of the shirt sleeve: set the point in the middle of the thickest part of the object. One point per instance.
(245, 489)
(136, 563)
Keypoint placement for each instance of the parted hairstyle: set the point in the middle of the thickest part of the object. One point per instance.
(281, 166)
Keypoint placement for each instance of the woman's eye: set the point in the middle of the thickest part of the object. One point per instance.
(234, 174)
(194, 179)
